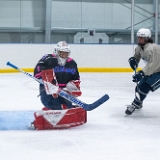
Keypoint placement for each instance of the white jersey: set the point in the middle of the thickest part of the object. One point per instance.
(150, 53)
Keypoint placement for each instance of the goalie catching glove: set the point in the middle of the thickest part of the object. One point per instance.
(50, 82)
(73, 88)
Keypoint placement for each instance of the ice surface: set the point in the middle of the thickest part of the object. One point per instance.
(108, 135)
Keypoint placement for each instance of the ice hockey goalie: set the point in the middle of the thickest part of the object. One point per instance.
(59, 119)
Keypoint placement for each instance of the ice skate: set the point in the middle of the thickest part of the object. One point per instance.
(131, 108)
(139, 107)
(32, 126)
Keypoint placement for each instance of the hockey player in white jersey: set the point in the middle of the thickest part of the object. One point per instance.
(147, 79)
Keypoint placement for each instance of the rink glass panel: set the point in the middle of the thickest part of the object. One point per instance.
(49, 21)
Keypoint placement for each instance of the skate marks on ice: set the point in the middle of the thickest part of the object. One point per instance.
(145, 121)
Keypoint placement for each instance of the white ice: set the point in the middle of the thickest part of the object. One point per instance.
(108, 135)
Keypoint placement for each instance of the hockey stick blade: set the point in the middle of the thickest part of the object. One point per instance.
(87, 107)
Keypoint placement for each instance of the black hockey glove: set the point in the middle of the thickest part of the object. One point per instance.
(133, 63)
(138, 76)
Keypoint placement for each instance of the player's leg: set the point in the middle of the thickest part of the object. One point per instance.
(148, 83)
(49, 101)
(141, 92)
(54, 103)
(65, 102)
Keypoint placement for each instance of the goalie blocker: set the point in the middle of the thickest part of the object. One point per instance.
(59, 119)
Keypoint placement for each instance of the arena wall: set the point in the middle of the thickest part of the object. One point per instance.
(89, 57)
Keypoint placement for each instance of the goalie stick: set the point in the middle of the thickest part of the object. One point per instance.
(87, 107)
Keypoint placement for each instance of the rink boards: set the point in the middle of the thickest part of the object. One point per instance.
(16, 120)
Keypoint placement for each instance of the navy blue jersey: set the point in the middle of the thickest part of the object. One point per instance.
(64, 74)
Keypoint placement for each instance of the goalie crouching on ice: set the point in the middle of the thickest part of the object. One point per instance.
(58, 71)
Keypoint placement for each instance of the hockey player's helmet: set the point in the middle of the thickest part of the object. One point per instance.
(62, 46)
(143, 32)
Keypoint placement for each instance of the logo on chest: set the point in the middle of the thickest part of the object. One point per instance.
(64, 69)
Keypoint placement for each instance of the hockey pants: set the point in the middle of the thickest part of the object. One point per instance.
(53, 103)
(148, 83)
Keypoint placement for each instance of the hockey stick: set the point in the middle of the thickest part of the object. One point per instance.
(87, 107)
(137, 93)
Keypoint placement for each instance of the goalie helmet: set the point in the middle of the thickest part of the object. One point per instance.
(143, 32)
(62, 51)
(62, 46)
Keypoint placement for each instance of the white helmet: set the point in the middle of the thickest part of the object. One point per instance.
(143, 32)
(62, 46)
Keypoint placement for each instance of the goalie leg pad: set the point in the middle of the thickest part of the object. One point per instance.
(59, 119)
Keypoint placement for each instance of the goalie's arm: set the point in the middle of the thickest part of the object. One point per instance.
(42, 65)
